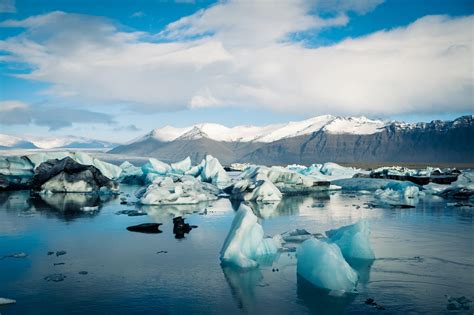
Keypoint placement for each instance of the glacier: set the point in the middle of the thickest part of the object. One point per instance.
(353, 240)
(322, 264)
(245, 241)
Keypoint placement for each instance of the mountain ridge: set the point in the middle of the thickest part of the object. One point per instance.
(318, 139)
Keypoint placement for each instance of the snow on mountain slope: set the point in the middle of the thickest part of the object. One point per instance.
(354, 125)
(327, 123)
(9, 141)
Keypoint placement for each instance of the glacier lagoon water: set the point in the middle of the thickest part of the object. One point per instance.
(422, 255)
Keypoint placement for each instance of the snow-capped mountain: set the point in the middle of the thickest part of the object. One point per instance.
(314, 140)
(269, 133)
(32, 142)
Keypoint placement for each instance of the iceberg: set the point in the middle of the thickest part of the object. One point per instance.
(156, 166)
(398, 190)
(67, 175)
(361, 183)
(213, 172)
(353, 240)
(108, 170)
(181, 167)
(130, 174)
(176, 191)
(259, 191)
(327, 171)
(322, 264)
(245, 242)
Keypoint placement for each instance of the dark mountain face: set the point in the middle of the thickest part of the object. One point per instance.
(435, 142)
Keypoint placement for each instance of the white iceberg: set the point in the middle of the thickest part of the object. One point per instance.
(4, 301)
(353, 240)
(322, 264)
(327, 171)
(156, 166)
(254, 185)
(177, 190)
(245, 242)
(213, 172)
(181, 167)
(398, 190)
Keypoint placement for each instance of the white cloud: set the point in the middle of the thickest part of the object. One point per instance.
(238, 53)
(7, 6)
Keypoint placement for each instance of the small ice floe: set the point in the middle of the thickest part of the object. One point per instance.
(245, 241)
(15, 255)
(296, 236)
(90, 209)
(55, 277)
(131, 213)
(5, 301)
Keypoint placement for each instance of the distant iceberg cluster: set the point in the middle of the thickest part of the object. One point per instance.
(326, 260)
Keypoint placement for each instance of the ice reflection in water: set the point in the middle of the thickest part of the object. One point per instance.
(126, 275)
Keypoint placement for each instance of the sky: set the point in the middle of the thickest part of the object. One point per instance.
(113, 70)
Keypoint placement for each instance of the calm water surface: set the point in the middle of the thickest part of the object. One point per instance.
(422, 255)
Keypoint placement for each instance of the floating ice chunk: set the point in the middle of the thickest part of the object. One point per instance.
(353, 240)
(16, 166)
(260, 191)
(358, 184)
(322, 264)
(396, 190)
(181, 167)
(67, 175)
(185, 190)
(327, 172)
(157, 167)
(245, 242)
(130, 174)
(213, 172)
(4, 301)
(296, 236)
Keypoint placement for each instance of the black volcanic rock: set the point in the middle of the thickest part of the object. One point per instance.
(152, 228)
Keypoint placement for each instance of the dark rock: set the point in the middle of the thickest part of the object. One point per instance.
(401, 206)
(70, 171)
(370, 301)
(59, 264)
(152, 228)
(50, 253)
(83, 272)
(180, 227)
(60, 253)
